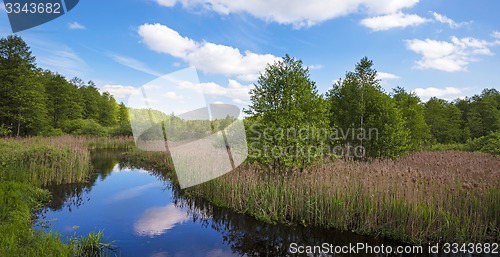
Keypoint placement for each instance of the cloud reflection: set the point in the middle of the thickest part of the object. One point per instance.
(156, 221)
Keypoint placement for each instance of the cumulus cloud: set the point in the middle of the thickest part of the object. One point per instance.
(205, 56)
(496, 34)
(119, 91)
(298, 13)
(386, 76)
(451, 56)
(75, 26)
(443, 19)
(447, 93)
(394, 20)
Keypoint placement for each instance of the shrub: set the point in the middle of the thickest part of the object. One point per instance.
(487, 144)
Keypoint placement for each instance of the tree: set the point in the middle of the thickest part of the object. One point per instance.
(62, 99)
(22, 109)
(91, 99)
(124, 127)
(365, 116)
(444, 120)
(287, 110)
(414, 119)
(483, 115)
(108, 110)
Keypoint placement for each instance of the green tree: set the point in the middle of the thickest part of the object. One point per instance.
(22, 109)
(414, 119)
(90, 99)
(287, 110)
(483, 115)
(444, 120)
(62, 99)
(108, 110)
(124, 127)
(365, 116)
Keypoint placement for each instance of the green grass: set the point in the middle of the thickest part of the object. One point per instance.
(25, 166)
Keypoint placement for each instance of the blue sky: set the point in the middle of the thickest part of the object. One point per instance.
(438, 48)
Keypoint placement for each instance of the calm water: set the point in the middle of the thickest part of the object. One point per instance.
(146, 216)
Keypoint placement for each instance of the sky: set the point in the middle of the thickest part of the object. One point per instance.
(443, 48)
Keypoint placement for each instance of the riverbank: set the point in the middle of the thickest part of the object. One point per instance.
(424, 197)
(25, 166)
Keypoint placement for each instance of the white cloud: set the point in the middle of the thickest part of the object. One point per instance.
(119, 91)
(75, 25)
(134, 64)
(208, 57)
(315, 67)
(394, 20)
(496, 34)
(239, 93)
(298, 13)
(166, 3)
(156, 221)
(386, 76)
(443, 19)
(172, 96)
(447, 93)
(448, 56)
(57, 57)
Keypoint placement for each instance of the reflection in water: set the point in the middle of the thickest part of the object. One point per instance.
(132, 192)
(156, 221)
(74, 195)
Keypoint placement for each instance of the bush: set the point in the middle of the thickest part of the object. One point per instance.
(52, 132)
(487, 144)
(88, 127)
(124, 129)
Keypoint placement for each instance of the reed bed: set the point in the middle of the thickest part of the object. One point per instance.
(424, 197)
(44, 161)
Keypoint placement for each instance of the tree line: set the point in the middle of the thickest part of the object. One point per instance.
(41, 102)
(289, 123)
(286, 99)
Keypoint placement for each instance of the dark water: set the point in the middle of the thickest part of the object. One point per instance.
(145, 215)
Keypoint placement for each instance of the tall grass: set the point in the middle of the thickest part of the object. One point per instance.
(44, 161)
(424, 197)
(25, 165)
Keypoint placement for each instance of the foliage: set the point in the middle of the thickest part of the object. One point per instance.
(22, 108)
(288, 110)
(358, 107)
(91, 245)
(37, 102)
(414, 119)
(444, 120)
(487, 144)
